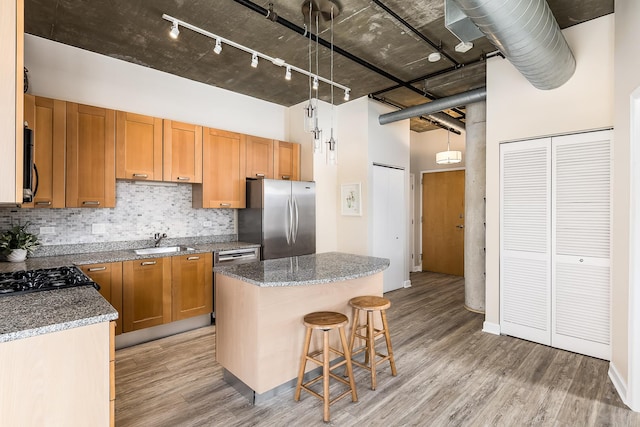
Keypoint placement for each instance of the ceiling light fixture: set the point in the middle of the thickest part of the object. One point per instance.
(175, 31)
(346, 94)
(287, 74)
(331, 156)
(448, 157)
(434, 57)
(315, 83)
(254, 60)
(218, 47)
(463, 47)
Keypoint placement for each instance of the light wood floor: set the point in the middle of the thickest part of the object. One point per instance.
(449, 373)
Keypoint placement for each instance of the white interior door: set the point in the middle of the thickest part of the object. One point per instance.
(389, 218)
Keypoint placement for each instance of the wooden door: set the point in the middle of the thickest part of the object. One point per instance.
(192, 284)
(91, 172)
(182, 152)
(223, 179)
(138, 147)
(146, 285)
(443, 222)
(47, 117)
(109, 277)
(286, 160)
(259, 157)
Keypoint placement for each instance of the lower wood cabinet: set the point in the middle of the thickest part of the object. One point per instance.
(146, 293)
(192, 285)
(109, 277)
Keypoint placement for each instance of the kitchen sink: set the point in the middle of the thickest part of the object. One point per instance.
(162, 250)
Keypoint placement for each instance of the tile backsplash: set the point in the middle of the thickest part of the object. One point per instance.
(141, 210)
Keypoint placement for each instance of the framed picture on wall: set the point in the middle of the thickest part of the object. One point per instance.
(351, 199)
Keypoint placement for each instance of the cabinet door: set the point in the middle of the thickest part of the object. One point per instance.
(182, 152)
(138, 147)
(192, 283)
(286, 160)
(91, 174)
(146, 285)
(259, 157)
(109, 277)
(47, 117)
(223, 180)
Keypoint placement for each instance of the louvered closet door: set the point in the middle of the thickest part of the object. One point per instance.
(581, 200)
(525, 240)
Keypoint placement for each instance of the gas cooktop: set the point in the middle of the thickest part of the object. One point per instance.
(45, 279)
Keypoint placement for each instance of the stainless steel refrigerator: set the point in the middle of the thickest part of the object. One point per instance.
(280, 216)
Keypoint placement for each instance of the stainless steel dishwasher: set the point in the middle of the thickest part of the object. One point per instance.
(232, 257)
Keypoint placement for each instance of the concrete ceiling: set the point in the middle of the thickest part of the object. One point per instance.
(134, 31)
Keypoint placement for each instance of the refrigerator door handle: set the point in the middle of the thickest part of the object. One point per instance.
(287, 222)
(294, 221)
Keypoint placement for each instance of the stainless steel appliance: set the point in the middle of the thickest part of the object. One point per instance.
(25, 281)
(232, 257)
(280, 216)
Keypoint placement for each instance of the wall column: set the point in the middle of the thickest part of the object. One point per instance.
(474, 206)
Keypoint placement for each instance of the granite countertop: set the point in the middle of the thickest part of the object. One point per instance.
(112, 256)
(37, 313)
(305, 270)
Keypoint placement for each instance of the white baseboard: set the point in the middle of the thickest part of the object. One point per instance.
(407, 283)
(491, 328)
(417, 268)
(619, 383)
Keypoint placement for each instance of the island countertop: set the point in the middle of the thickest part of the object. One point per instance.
(305, 270)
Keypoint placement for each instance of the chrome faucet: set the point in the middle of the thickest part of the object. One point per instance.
(159, 238)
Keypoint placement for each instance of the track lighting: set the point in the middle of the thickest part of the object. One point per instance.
(287, 75)
(315, 83)
(218, 47)
(254, 60)
(174, 30)
(346, 94)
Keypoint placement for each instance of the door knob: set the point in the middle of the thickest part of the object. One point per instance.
(460, 226)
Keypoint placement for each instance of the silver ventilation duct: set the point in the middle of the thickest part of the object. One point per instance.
(527, 33)
(433, 107)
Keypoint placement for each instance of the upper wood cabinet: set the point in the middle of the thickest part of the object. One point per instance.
(138, 146)
(47, 117)
(91, 177)
(146, 293)
(11, 109)
(259, 157)
(109, 277)
(286, 160)
(223, 179)
(182, 152)
(192, 284)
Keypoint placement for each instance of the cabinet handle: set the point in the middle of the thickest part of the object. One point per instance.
(193, 258)
(98, 269)
(183, 178)
(47, 203)
(286, 177)
(91, 203)
(140, 175)
(149, 263)
(225, 205)
(260, 175)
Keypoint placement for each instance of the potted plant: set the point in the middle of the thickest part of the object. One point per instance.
(17, 242)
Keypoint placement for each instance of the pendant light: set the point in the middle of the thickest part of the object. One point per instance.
(448, 157)
(331, 153)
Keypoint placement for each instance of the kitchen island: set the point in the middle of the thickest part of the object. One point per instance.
(260, 306)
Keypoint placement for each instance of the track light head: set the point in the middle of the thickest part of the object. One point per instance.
(254, 60)
(218, 47)
(315, 83)
(346, 94)
(287, 74)
(174, 30)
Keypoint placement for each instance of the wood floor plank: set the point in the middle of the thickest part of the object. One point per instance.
(449, 373)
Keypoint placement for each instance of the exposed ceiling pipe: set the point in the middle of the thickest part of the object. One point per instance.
(457, 128)
(527, 33)
(447, 121)
(430, 108)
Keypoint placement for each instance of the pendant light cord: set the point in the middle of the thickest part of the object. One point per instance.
(332, 106)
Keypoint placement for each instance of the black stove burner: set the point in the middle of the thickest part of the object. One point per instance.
(45, 279)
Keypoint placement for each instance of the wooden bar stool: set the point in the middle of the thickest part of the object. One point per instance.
(371, 304)
(326, 321)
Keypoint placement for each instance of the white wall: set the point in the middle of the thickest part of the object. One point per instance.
(424, 147)
(72, 74)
